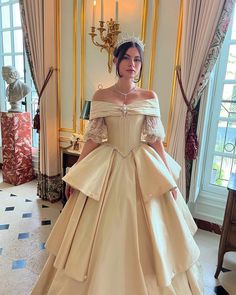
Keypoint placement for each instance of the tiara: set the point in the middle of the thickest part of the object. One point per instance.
(133, 39)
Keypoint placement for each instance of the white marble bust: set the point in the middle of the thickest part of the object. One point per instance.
(16, 89)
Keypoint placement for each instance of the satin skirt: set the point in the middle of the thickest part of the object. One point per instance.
(120, 243)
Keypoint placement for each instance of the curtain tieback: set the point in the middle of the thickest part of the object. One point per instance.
(36, 119)
(191, 143)
(178, 72)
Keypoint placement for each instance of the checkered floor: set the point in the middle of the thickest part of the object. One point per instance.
(26, 221)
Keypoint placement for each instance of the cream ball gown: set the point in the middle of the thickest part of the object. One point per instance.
(121, 232)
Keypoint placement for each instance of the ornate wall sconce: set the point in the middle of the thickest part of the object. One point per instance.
(108, 35)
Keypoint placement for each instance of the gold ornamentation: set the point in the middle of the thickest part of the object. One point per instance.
(109, 39)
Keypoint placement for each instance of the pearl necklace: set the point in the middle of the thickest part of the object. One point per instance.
(124, 107)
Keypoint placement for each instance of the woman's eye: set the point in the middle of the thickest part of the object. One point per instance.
(137, 60)
(125, 57)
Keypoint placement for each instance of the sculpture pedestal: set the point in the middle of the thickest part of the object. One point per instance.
(16, 148)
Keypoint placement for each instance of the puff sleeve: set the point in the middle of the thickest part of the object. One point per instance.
(153, 129)
(96, 130)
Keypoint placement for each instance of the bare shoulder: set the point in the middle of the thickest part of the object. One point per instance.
(98, 95)
(148, 94)
(102, 94)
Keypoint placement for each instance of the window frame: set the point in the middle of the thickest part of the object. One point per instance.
(26, 70)
(216, 99)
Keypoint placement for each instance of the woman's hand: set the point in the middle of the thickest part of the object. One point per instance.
(68, 191)
(174, 193)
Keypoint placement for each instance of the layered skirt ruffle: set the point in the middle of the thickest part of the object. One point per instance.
(121, 232)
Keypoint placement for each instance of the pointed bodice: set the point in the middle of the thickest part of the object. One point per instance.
(124, 123)
(124, 132)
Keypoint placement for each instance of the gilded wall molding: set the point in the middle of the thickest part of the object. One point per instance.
(153, 45)
(58, 16)
(144, 20)
(177, 60)
(75, 19)
(144, 30)
(82, 59)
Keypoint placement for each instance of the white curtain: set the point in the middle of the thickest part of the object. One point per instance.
(39, 23)
(200, 20)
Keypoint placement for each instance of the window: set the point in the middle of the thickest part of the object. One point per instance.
(12, 54)
(221, 151)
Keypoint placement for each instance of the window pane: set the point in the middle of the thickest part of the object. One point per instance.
(230, 140)
(228, 105)
(229, 92)
(233, 36)
(16, 15)
(18, 40)
(221, 170)
(19, 65)
(234, 166)
(4, 1)
(34, 106)
(35, 139)
(7, 60)
(220, 138)
(231, 65)
(228, 109)
(227, 165)
(226, 137)
(5, 12)
(6, 36)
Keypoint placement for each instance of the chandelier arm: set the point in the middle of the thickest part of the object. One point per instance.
(98, 44)
(108, 38)
(95, 42)
(101, 33)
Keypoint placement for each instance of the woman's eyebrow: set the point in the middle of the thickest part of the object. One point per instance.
(130, 56)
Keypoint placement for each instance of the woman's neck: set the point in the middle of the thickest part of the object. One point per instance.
(125, 85)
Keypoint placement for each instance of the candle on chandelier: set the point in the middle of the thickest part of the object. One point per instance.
(102, 16)
(94, 13)
(117, 11)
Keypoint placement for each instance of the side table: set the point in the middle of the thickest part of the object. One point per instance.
(69, 158)
(228, 236)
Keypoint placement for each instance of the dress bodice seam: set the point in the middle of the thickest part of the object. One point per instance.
(131, 150)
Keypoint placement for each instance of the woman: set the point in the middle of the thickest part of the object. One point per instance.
(125, 229)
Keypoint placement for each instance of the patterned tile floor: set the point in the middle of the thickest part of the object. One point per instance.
(26, 221)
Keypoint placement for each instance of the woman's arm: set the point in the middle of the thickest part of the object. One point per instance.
(88, 147)
(159, 148)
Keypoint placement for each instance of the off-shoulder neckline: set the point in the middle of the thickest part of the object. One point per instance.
(127, 104)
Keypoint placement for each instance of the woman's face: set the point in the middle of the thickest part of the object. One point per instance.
(131, 64)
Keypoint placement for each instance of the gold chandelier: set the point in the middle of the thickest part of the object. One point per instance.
(108, 34)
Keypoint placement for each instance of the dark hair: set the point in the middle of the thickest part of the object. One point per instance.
(120, 52)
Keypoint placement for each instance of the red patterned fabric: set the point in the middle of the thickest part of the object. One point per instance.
(16, 148)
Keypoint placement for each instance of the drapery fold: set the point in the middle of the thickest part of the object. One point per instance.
(40, 39)
(205, 24)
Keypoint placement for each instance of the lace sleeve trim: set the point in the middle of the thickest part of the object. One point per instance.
(153, 129)
(96, 130)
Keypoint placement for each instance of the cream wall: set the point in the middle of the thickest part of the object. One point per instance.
(82, 71)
